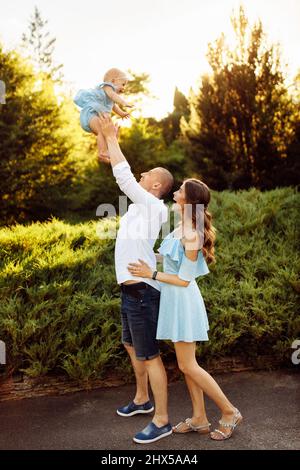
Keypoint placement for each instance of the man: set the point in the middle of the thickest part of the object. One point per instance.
(139, 229)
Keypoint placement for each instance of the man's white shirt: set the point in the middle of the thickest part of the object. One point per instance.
(139, 227)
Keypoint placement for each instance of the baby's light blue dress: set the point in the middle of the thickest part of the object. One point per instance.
(182, 313)
(93, 102)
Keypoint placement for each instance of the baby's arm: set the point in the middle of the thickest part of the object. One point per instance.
(115, 97)
(118, 110)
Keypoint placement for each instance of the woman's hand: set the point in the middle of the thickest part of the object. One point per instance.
(140, 270)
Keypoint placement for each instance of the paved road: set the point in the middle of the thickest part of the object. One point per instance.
(269, 402)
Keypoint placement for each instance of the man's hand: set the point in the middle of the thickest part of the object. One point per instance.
(140, 270)
(110, 133)
(109, 130)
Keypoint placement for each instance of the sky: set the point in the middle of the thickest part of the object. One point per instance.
(166, 38)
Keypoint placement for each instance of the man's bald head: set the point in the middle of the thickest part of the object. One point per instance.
(157, 181)
(165, 178)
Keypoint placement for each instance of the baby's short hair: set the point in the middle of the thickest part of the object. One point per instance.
(114, 73)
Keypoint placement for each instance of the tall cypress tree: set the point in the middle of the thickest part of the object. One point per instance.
(171, 123)
(242, 117)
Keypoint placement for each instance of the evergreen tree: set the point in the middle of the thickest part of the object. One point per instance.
(138, 84)
(288, 173)
(171, 123)
(35, 164)
(242, 118)
(39, 47)
(137, 89)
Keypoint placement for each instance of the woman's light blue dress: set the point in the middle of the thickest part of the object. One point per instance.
(182, 313)
(93, 102)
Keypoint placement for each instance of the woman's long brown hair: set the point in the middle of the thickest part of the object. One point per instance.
(197, 192)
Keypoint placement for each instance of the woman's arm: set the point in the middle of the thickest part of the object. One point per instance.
(159, 257)
(144, 270)
(171, 279)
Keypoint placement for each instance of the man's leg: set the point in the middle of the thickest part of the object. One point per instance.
(142, 395)
(141, 377)
(158, 382)
(159, 427)
(141, 322)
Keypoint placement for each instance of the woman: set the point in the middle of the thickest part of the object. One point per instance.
(182, 313)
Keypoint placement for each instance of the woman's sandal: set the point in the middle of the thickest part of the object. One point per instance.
(202, 429)
(237, 419)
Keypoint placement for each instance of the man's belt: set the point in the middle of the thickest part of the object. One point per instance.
(134, 289)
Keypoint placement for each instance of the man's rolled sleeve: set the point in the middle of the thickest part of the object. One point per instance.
(129, 185)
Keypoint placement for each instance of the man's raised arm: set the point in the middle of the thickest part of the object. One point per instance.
(121, 169)
(109, 132)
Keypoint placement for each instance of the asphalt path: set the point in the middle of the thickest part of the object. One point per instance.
(269, 402)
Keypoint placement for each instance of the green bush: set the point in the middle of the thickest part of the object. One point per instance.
(59, 309)
(252, 293)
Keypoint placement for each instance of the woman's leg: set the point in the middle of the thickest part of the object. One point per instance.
(187, 363)
(197, 397)
(199, 417)
(101, 142)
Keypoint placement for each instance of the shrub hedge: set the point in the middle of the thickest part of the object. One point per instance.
(59, 309)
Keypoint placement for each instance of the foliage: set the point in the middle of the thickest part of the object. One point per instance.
(59, 301)
(145, 148)
(60, 308)
(137, 84)
(242, 119)
(35, 154)
(241, 130)
(171, 123)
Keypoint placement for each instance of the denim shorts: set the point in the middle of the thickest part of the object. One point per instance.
(139, 314)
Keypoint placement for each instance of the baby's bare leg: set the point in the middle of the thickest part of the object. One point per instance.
(103, 154)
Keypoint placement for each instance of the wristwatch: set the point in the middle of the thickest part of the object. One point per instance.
(154, 275)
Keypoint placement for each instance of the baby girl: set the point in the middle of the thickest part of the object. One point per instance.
(102, 99)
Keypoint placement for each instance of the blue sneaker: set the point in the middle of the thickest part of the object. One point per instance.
(152, 433)
(133, 409)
